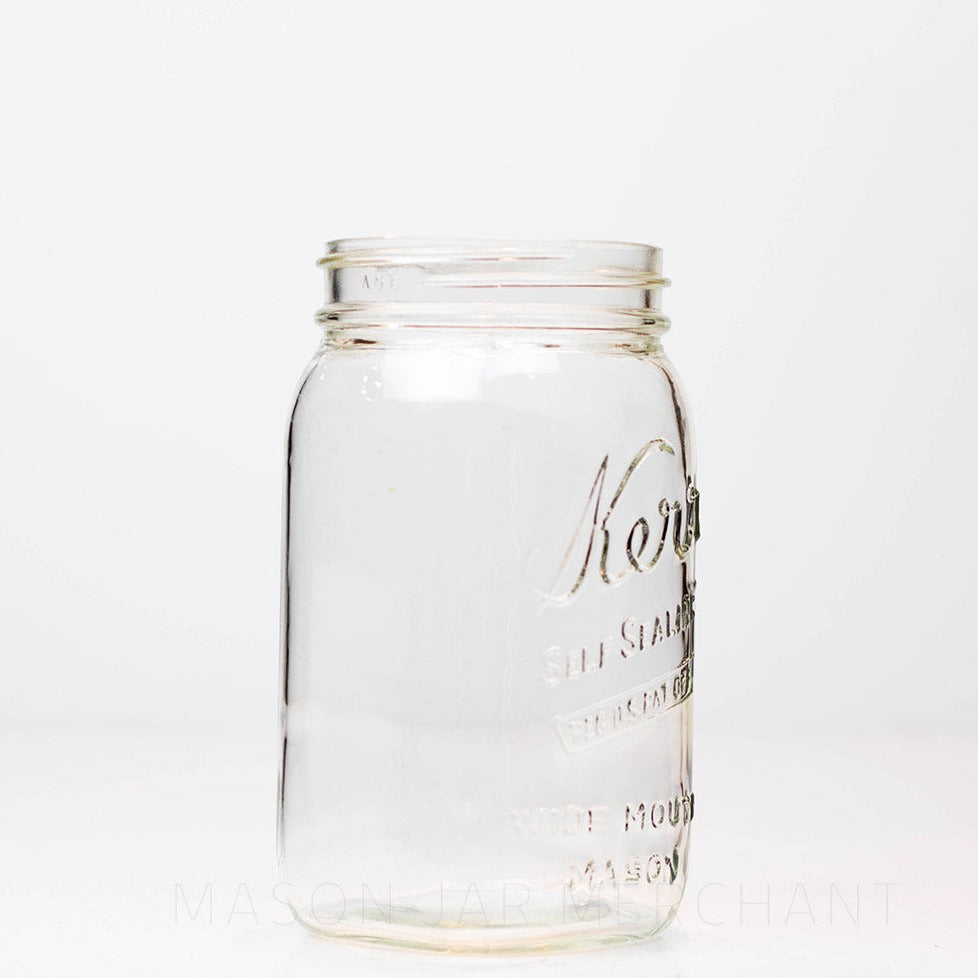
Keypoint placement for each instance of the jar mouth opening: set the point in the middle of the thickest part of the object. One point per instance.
(499, 262)
(493, 282)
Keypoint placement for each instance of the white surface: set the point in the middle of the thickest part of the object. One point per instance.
(104, 825)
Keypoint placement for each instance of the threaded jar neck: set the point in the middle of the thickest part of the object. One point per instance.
(463, 283)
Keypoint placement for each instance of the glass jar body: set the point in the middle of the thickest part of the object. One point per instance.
(488, 638)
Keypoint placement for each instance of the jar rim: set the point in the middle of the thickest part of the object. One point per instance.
(493, 282)
(571, 261)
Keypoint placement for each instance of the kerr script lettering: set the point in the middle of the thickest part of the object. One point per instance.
(633, 552)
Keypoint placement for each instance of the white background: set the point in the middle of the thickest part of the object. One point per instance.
(170, 172)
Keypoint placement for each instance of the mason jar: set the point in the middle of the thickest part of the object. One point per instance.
(488, 600)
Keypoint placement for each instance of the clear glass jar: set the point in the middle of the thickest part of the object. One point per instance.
(488, 616)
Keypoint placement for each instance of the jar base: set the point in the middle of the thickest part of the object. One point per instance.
(400, 929)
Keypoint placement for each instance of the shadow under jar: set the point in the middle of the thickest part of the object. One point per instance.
(488, 600)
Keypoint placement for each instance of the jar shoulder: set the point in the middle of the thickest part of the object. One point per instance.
(554, 393)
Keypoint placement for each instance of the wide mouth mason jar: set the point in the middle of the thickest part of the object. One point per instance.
(488, 600)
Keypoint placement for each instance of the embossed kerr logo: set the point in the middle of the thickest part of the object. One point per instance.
(626, 553)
